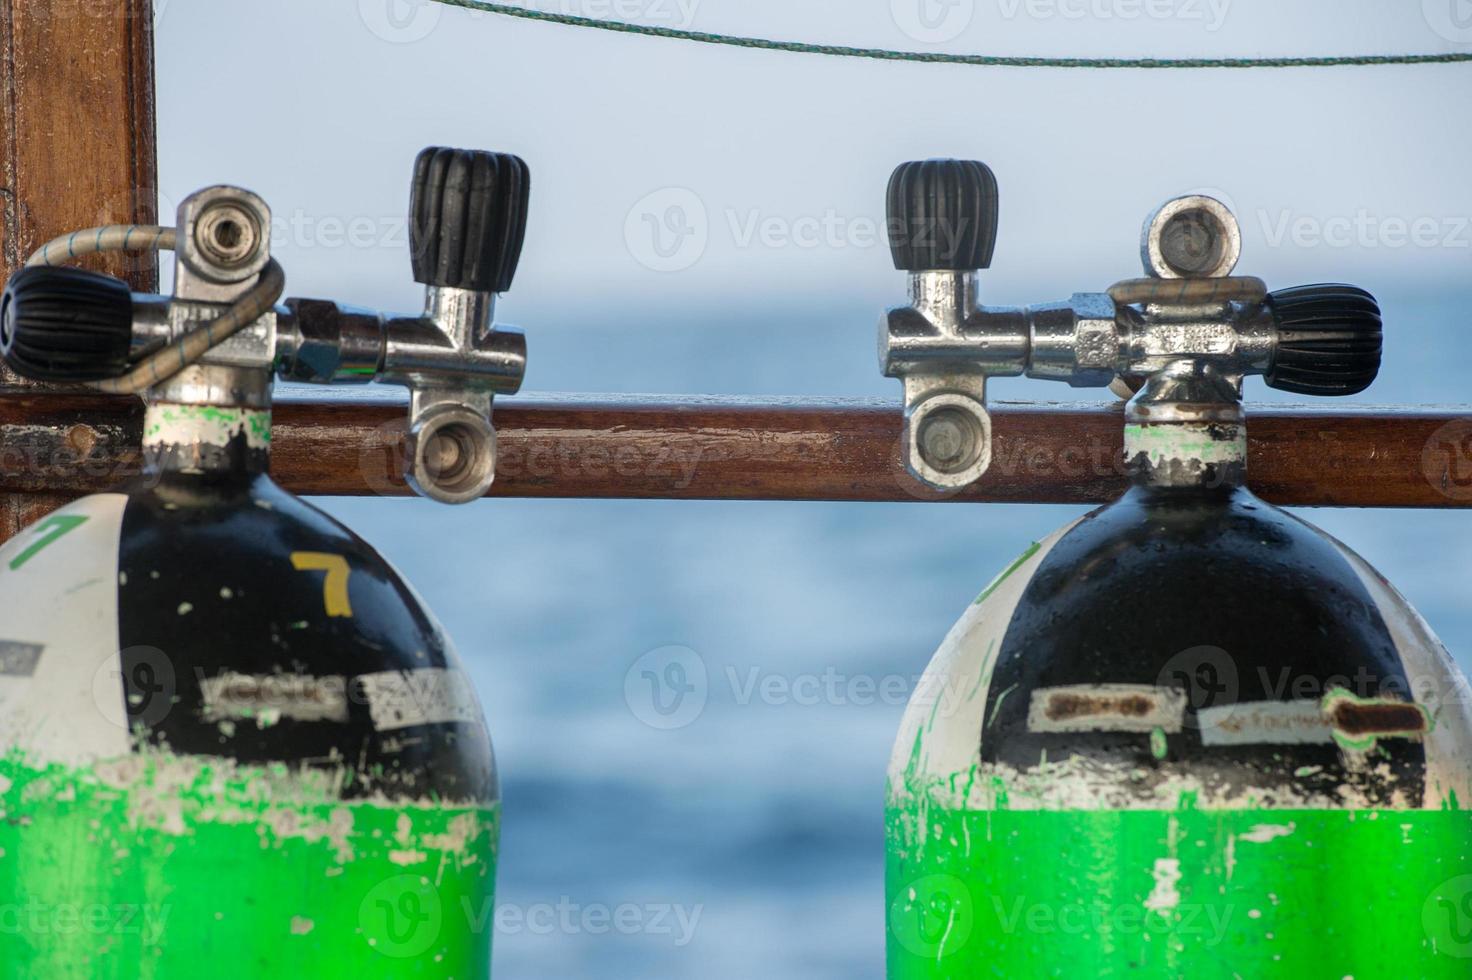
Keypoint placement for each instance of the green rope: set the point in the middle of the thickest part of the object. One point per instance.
(881, 54)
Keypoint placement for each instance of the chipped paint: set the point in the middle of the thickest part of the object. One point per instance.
(297, 697)
(228, 857)
(167, 424)
(1161, 894)
(1206, 444)
(1080, 783)
(426, 696)
(1165, 897)
(1107, 708)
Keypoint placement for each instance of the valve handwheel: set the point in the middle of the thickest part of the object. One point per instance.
(467, 218)
(66, 325)
(942, 216)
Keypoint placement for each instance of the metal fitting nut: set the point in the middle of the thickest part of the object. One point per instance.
(451, 454)
(948, 440)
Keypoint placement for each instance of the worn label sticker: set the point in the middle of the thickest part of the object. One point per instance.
(428, 696)
(1266, 723)
(271, 697)
(19, 659)
(1107, 708)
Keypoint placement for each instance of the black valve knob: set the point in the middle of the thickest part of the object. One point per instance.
(1329, 340)
(942, 215)
(66, 325)
(467, 218)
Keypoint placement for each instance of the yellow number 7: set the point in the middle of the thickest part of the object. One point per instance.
(335, 588)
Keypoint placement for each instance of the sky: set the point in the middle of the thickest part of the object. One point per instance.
(779, 161)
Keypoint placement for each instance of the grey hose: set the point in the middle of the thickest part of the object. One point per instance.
(164, 364)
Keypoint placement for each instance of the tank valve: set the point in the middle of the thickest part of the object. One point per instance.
(467, 221)
(1187, 312)
(220, 338)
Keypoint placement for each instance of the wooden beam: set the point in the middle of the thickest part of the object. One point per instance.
(76, 146)
(767, 450)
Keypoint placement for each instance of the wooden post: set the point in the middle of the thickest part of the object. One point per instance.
(76, 145)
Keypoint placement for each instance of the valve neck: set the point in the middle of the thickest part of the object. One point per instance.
(209, 420)
(945, 297)
(1186, 429)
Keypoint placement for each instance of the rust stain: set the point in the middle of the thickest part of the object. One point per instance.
(1064, 706)
(1379, 718)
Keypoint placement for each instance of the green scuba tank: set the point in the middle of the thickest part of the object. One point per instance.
(1188, 735)
(233, 741)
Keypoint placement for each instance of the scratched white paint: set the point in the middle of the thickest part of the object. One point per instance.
(426, 696)
(71, 709)
(167, 424)
(1265, 832)
(962, 668)
(1165, 897)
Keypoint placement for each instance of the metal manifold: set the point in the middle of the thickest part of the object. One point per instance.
(467, 222)
(1188, 332)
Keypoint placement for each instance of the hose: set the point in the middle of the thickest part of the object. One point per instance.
(1218, 289)
(162, 365)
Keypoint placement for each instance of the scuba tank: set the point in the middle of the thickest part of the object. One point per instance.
(1189, 735)
(233, 741)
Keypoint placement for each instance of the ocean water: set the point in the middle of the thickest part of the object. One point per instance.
(741, 836)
